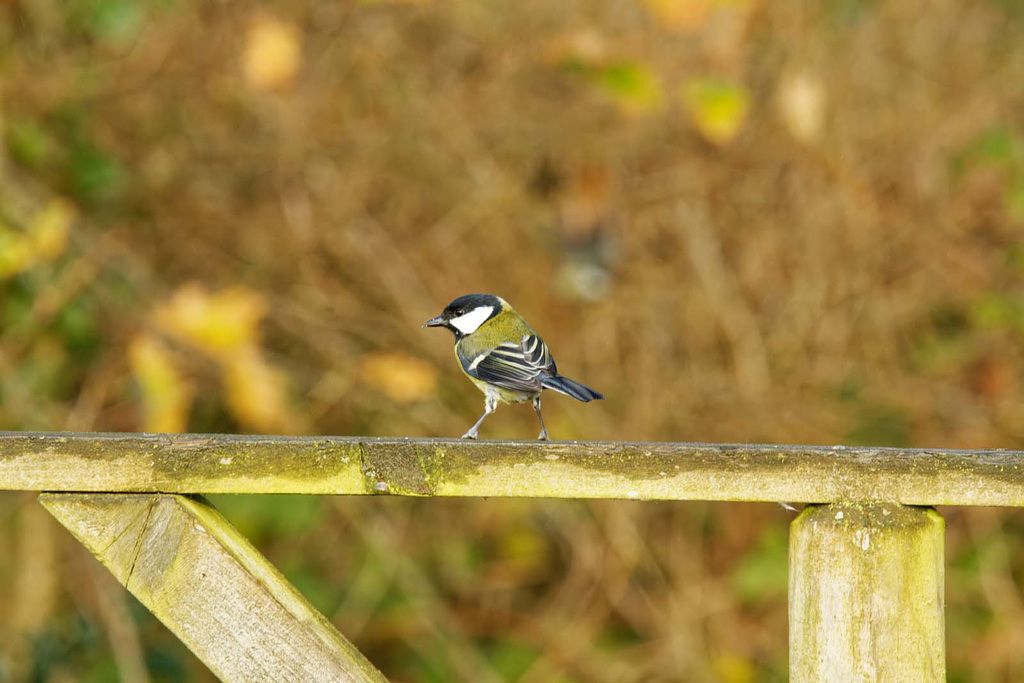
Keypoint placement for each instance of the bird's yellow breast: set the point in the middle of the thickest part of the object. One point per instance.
(501, 393)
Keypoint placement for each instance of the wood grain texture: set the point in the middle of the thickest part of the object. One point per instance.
(192, 463)
(866, 595)
(209, 586)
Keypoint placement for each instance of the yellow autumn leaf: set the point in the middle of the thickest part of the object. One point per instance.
(166, 394)
(49, 229)
(218, 324)
(731, 668)
(257, 393)
(687, 15)
(272, 54)
(43, 240)
(16, 253)
(400, 377)
(718, 108)
(801, 101)
(695, 15)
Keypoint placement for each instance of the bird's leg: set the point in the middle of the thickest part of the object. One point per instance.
(490, 404)
(543, 430)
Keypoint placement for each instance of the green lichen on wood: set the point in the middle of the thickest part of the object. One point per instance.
(190, 463)
(866, 594)
(209, 586)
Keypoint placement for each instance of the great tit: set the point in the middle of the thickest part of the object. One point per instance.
(503, 356)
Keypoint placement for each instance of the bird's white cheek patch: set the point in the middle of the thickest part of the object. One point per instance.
(467, 323)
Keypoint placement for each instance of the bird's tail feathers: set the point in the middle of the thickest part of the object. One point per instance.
(570, 387)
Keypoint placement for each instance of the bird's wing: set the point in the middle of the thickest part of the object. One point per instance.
(513, 366)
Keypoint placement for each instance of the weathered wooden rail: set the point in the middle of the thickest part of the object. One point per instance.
(866, 558)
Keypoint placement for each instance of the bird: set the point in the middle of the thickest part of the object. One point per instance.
(503, 356)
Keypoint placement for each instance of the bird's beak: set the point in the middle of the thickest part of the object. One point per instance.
(435, 322)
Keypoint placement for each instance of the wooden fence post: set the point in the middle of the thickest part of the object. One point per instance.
(211, 587)
(866, 594)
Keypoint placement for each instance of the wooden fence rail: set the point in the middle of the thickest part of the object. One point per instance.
(193, 463)
(866, 558)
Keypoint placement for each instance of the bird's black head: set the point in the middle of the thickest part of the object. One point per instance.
(464, 315)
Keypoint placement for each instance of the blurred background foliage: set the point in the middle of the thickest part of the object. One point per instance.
(741, 220)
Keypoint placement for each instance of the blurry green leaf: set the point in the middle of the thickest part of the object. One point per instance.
(946, 344)
(523, 543)
(763, 573)
(997, 310)
(458, 559)
(999, 147)
(618, 635)
(967, 560)
(1013, 8)
(511, 658)
(631, 85)
(996, 145)
(849, 389)
(94, 175)
(312, 583)
(965, 567)
(266, 515)
(115, 22)
(66, 641)
(848, 11)
(44, 371)
(167, 662)
(1015, 198)
(394, 600)
(718, 108)
(432, 666)
(29, 144)
(934, 353)
(1015, 258)
(949, 322)
(77, 325)
(879, 426)
(103, 671)
(16, 302)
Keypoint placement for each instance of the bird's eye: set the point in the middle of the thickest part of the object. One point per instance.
(459, 311)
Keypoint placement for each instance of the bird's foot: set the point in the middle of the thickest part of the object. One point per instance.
(471, 434)
(543, 435)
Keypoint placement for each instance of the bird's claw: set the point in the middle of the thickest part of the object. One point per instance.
(469, 435)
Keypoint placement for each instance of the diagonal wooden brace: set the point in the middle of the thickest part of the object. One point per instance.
(210, 587)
